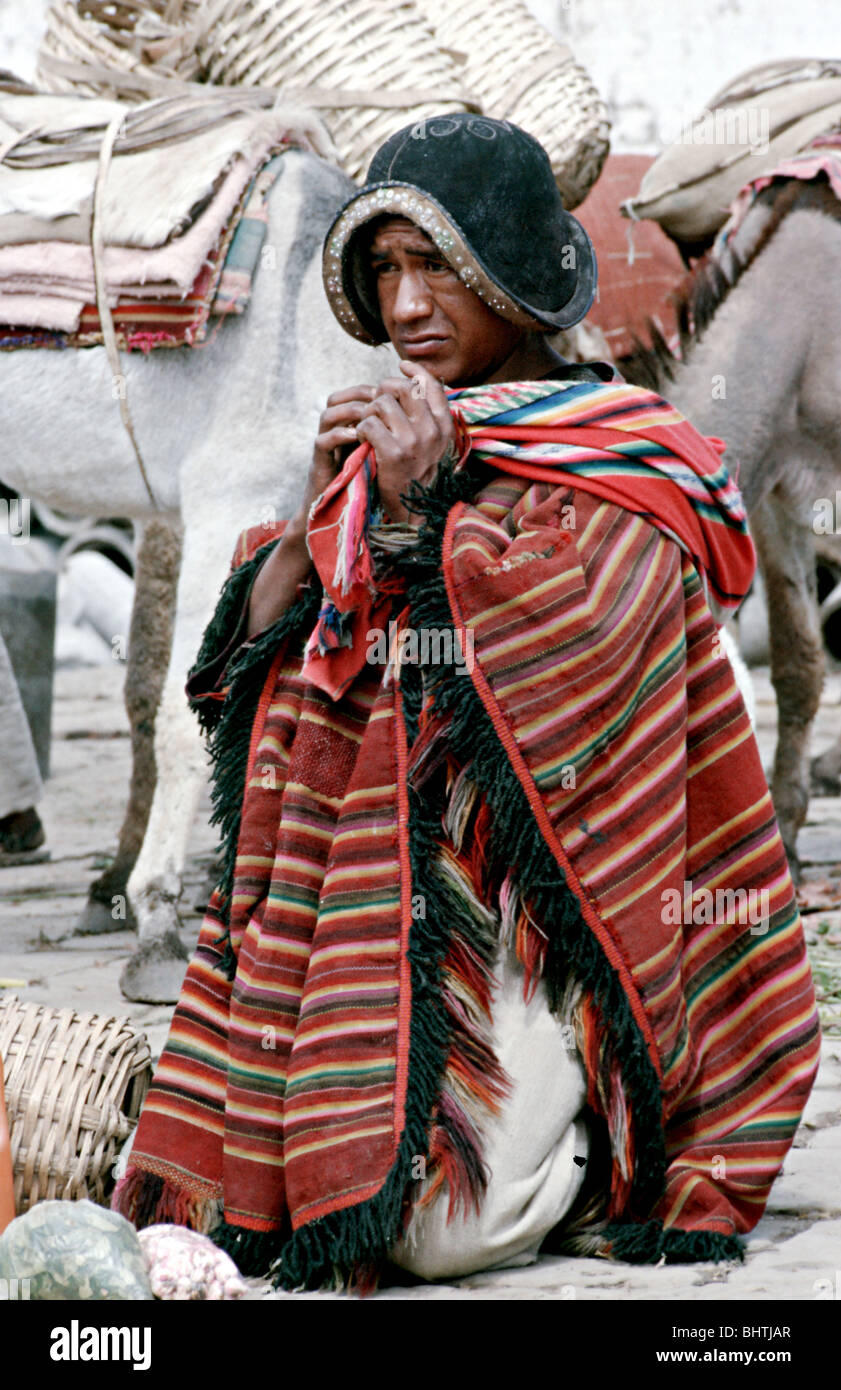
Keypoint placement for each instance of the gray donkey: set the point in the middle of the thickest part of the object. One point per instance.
(761, 368)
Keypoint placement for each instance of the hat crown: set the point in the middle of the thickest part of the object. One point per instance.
(496, 182)
(484, 192)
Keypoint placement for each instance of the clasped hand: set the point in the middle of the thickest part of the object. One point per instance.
(407, 422)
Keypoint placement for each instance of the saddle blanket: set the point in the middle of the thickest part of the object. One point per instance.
(222, 286)
(168, 162)
(183, 214)
(821, 158)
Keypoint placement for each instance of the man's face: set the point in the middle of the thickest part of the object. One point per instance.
(429, 314)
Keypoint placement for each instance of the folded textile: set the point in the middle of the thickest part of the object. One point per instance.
(166, 272)
(821, 158)
(151, 195)
(592, 758)
(154, 322)
(39, 311)
(233, 292)
(13, 338)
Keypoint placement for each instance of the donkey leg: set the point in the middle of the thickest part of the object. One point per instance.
(825, 769)
(786, 555)
(154, 973)
(150, 642)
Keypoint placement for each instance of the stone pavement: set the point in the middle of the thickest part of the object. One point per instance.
(794, 1253)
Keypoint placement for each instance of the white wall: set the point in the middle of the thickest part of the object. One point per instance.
(21, 26)
(656, 62)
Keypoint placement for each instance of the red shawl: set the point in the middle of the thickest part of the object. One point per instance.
(299, 1087)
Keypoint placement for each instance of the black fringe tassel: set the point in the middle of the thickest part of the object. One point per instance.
(649, 1243)
(251, 1251)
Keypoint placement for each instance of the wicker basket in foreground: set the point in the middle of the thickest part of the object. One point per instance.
(74, 1087)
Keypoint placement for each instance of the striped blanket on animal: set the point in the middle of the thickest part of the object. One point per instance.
(590, 774)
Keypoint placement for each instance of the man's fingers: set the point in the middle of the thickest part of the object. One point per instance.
(352, 393)
(411, 435)
(416, 390)
(423, 385)
(388, 407)
(429, 388)
(423, 395)
(346, 413)
(397, 389)
(425, 414)
(336, 438)
(375, 432)
(388, 415)
(417, 371)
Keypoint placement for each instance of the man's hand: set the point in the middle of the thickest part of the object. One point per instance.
(289, 563)
(336, 429)
(408, 423)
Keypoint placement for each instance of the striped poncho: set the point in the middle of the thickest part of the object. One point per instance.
(590, 771)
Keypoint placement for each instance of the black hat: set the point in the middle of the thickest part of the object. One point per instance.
(484, 193)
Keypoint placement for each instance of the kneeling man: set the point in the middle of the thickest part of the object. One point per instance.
(474, 733)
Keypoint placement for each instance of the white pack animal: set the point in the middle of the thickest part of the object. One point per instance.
(226, 437)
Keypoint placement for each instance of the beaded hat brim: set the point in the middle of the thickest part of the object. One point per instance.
(347, 284)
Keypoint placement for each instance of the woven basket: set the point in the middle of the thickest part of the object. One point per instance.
(128, 49)
(74, 1087)
(368, 68)
(519, 73)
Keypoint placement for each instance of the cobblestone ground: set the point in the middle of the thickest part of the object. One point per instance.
(796, 1249)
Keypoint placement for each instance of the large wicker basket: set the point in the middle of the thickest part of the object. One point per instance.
(368, 68)
(520, 73)
(132, 48)
(74, 1087)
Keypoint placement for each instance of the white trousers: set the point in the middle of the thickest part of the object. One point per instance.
(530, 1147)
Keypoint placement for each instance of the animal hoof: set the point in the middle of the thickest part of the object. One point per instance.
(824, 786)
(824, 776)
(97, 918)
(155, 972)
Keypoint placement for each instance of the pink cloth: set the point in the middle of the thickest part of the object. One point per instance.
(822, 156)
(40, 311)
(62, 269)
